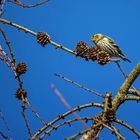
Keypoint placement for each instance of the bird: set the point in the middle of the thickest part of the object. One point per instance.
(107, 44)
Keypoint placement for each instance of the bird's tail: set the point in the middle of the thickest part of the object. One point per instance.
(125, 58)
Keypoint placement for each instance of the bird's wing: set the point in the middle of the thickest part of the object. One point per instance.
(111, 41)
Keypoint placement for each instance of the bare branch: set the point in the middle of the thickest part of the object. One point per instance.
(4, 57)
(78, 108)
(78, 134)
(26, 30)
(120, 68)
(121, 94)
(4, 121)
(26, 121)
(2, 2)
(35, 112)
(4, 136)
(78, 85)
(48, 132)
(10, 50)
(86, 135)
(134, 92)
(67, 105)
(27, 6)
(136, 98)
(128, 126)
(115, 131)
(122, 71)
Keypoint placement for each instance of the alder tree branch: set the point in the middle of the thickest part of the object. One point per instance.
(134, 92)
(26, 30)
(78, 85)
(18, 2)
(68, 122)
(123, 91)
(78, 108)
(128, 127)
(115, 131)
(135, 98)
(26, 121)
(4, 136)
(63, 100)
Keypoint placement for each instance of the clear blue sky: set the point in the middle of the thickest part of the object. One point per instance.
(68, 22)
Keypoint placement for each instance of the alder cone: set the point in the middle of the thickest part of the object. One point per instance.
(81, 49)
(103, 57)
(21, 68)
(92, 53)
(43, 38)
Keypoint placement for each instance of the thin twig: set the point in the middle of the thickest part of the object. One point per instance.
(63, 123)
(2, 2)
(115, 131)
(4, 121)
(26, 121)
(4, 136)
(78, 134)
(8, 44)
(78, 108)
(26, 30)
(122, 71)
(57, 92)
(27, 6)
(84, 133)
(35, 112)
(4, 57)
(128, 126)
(10, 49)
(13, 63)
(80, 86)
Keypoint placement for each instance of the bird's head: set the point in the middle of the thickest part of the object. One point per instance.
(96, 37)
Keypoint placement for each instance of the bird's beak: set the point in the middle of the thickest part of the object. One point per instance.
(91, 40)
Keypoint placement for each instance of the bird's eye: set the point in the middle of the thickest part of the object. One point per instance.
(95, 36)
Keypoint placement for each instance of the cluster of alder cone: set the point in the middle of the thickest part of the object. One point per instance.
(82, 50)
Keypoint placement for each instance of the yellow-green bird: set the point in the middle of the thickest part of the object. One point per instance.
(107, 44)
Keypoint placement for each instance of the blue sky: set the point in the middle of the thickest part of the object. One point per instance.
(68, 22)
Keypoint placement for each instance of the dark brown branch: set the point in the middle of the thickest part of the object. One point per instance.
(121, 94)
(27, 6)
(78, 85)
(4, 136)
